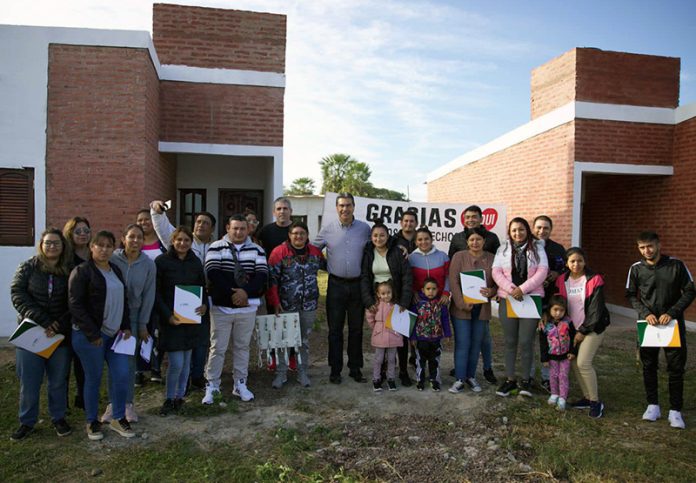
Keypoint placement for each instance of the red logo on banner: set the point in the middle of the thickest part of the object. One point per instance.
(490, 218)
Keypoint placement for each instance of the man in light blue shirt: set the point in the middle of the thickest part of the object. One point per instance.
(345, 241)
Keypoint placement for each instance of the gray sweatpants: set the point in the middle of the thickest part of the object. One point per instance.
(224, 327)
(518, 332)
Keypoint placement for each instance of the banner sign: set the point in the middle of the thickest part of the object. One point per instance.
(443, 219)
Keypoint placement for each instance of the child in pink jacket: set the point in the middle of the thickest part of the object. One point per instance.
(384, 340)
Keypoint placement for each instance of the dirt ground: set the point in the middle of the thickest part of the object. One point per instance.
(406, 435)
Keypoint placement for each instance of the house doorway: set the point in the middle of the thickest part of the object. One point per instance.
(232, 202)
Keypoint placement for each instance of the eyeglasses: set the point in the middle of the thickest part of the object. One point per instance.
(253, 222)
(298, 233)
(82, 231)
(52, 243)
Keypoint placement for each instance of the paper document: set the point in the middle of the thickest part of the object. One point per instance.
(658, 335)
(472, 282)
(527, 308)
(124, 346)
(187, 298)
(32, 337)
(146, 349)
(401, 322)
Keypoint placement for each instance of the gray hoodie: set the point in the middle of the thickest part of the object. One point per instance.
(140, 277)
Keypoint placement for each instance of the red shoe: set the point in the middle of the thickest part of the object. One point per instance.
(272, 364)
(292, 364)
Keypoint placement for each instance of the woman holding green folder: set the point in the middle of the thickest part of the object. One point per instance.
(39, 292)
(179, 266)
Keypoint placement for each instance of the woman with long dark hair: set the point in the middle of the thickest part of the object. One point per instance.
(519, 268)
(383, 260)
(584, 290)
(99, 310)
(39, 292)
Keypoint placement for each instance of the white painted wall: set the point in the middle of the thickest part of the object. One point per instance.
(311, 206)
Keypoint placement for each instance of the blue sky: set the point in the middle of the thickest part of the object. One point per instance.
(407, 86)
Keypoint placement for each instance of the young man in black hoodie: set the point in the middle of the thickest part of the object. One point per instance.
(660, 288)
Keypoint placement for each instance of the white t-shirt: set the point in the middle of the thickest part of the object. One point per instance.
(576, 299)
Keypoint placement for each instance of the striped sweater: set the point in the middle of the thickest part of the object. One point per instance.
(219, 270)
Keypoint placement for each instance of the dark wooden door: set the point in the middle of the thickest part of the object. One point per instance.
(233, 202)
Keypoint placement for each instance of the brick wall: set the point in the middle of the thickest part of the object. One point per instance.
(531, 178)
(225, 114)
(553, 84)
(623, 142)
(217, 38)
(617, 208)
(594, 75)
(623, 78)
(101, 134)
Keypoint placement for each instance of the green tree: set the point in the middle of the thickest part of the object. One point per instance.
(301, 186)
(342, 173)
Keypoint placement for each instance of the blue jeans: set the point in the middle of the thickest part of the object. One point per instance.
(178, 373)
(468, 334)
(92, 358)
(30, 371)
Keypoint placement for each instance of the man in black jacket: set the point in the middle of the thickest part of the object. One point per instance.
(660, 288)
(406, 237)
(473, 216)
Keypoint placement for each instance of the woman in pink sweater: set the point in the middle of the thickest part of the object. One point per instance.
(519, 268)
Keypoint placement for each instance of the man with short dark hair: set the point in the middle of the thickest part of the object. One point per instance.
(237, 271)
(660, 288)
(203, 228)
(345, 241)
(473, 216)
(406, 237)
(275, 233)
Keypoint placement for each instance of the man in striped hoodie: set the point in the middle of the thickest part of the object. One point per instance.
(236, 270)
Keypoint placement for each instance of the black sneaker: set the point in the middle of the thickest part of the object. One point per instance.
(335, 379)
(507, 388)
(22, 432)
(405, 379)
(546, 385)
(167, 408)
(391, 384)
(94, 432)
(420, 385)
(489, 376)
(139, 379)
(596, 409)
(155, 376)
(435, 385)
(377, 386)
(583, 403)
(526, 387)
(357, 376)
(62, 427)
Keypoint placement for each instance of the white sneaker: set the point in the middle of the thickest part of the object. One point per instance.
(210, 392)
(457, 387)
(241, 391)
(131, 415)
(676, 420)
(108, 414)
(652, 413)
(561, 404)
(473, 384)
(553, 399)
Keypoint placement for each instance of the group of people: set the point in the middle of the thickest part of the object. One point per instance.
(81, 286)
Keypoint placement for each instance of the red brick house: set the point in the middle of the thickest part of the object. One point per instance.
(609, 152)
(97, 123)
